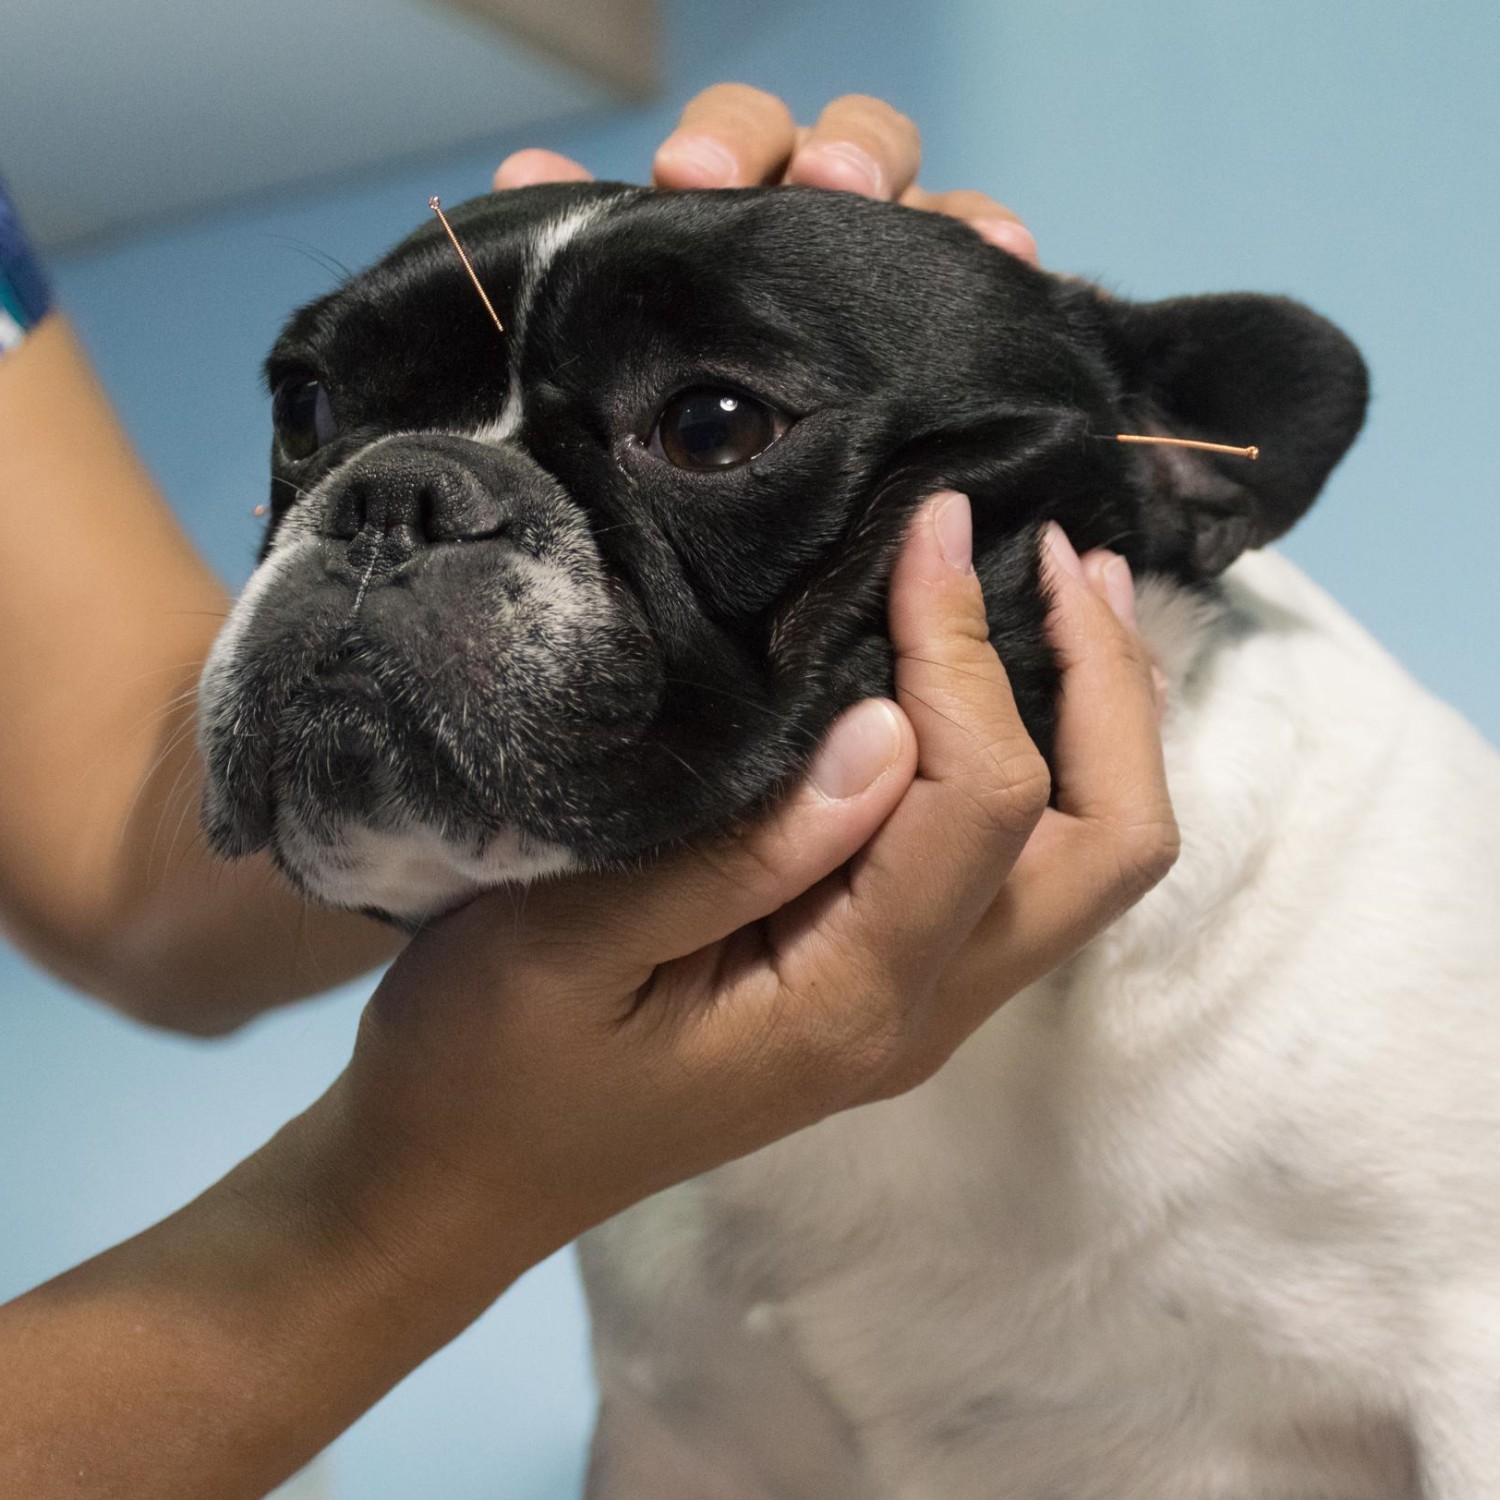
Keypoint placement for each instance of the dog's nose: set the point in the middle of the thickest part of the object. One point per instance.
(414, 501)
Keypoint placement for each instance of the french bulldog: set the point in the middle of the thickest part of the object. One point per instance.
(1213, 1212)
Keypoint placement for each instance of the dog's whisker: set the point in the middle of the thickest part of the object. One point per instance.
(686, 765)
(188, 806)
(944, 666)
(932, 707)
(313, 253)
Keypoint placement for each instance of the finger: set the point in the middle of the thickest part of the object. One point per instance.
(1083, 866)
(990, 220)
(859, 145)
(861, 770)
(1110, 578)
(1112, 834)
(532, 166)
(731, 135)
(935, 865)
(1107, 753)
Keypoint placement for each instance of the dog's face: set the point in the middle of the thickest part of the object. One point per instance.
(565, 597)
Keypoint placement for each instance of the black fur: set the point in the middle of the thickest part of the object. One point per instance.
(739, 611)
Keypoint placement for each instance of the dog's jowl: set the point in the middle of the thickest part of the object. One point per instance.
(1212, 1213)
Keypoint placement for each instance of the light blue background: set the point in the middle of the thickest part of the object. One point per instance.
(1349, 154)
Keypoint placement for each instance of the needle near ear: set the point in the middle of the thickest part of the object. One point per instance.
(1251, 453)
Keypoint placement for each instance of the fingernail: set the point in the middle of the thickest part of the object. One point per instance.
(1061, 551)
(861, 745)
(1119, 590)
(1006, 234)
(953, 525)
(843, 165)
(697, 161)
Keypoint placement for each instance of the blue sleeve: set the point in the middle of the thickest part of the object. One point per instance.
(24, 294)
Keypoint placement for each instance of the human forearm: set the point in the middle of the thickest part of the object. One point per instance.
(106, 613)
(217, 1352)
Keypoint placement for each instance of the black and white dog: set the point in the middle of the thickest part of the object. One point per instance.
(1213, 1213)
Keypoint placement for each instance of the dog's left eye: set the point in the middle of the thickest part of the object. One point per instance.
(303, 415)
(709, 428)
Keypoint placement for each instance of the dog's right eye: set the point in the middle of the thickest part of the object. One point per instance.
(304, 417)
(710, 429)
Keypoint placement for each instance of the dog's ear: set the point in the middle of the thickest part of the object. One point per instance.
(1240, 369)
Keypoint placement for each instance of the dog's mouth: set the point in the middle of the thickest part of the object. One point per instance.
(338, 748)
(368, 806)
(453, 733)
(347, 674)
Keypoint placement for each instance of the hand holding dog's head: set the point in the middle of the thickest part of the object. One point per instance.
(571, 595)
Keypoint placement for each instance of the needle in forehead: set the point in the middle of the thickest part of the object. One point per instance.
(435, 204)
(1252, 453)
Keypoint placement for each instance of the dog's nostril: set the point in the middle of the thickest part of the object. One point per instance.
(456, 507)
(430, 519)
(347, 515)
(431, 505)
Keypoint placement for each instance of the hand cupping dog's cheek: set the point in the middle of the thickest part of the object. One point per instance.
(544, 1053)
(1110, 834)
(981, 783)
(938, 864)
(693, 900)
(1107, 750)
(757, 983)
(1045, 880)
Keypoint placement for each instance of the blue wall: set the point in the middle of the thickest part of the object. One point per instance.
(1163, 147)
(1346, 153)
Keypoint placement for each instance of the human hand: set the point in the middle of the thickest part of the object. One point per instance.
(541, 1059)
(732, 135)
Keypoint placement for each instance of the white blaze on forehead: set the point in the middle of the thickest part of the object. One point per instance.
(547, 241)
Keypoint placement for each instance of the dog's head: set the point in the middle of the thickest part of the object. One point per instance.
(564, 597)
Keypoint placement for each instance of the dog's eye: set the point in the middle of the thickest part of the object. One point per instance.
(304, 417)
(709, 429)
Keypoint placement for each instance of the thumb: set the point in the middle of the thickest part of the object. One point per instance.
(703, 894)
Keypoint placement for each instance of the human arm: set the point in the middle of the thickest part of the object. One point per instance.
(528, 1068)
(106, 613)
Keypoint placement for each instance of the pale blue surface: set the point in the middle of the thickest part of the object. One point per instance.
(1350, 155)
(1347, 154)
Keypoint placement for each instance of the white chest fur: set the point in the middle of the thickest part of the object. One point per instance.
(1214, 1213)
